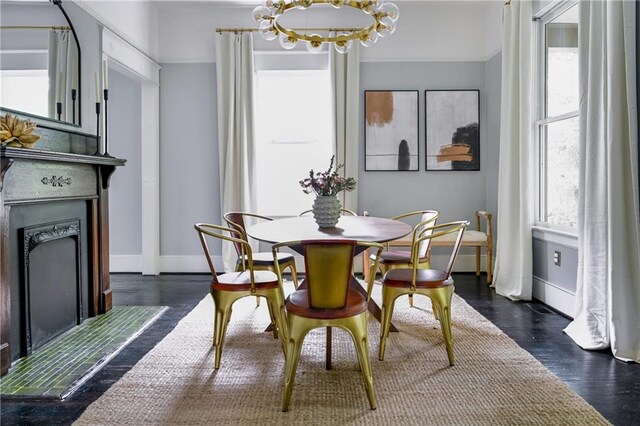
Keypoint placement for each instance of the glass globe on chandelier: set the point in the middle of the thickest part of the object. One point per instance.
(384, 15)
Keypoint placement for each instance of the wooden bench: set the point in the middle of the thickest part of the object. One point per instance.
(471, 238)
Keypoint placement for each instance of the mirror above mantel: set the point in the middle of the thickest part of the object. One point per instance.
(39, 61)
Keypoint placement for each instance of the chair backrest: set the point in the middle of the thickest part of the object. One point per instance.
(428, 218)
(436, 231)
(343, 212)
(236, 220)
(328, 269)
(234, 235)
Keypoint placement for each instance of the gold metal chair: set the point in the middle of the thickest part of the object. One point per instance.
(261, 260)
(343, 212)
(325, 300)
(227, 288)
(391, 259)
(433, 283)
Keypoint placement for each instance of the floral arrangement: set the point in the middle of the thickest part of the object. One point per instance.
(17, 133)
(327, 183)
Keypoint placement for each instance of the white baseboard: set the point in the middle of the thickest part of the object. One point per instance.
(125, 263)
(198, 264)
(189, 264)
(554, 296)
(464, 262)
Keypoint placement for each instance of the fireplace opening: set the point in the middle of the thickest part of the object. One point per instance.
(52, 282)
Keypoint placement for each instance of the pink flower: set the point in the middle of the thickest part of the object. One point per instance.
(328, 182)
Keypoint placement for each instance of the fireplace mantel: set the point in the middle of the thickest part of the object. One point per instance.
(39, 188)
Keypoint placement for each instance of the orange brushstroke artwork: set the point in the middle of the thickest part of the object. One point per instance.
(379, 108)
(455, 152)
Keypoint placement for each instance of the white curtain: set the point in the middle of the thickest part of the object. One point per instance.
(234, 69)
(63, 62)
(513, 270)
(608, 293)
(345, 80)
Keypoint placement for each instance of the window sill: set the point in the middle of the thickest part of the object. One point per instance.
(564, 238)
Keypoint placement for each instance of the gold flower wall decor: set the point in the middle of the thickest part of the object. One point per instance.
(17, 133)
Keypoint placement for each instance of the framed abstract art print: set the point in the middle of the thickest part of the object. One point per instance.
(391, 130)
(452, 129)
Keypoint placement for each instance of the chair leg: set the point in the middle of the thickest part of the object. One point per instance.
(297, 332)
(276, 305)
(274, 327)
(223, 304)
(478, 254)
(436, 312)
(388, 301)
(358, 329)
(441, 299)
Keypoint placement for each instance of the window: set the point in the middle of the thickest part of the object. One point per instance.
(293, 135)
(25, 90)
(557, 117)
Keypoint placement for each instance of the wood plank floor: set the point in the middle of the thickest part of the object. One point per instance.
(611, 386)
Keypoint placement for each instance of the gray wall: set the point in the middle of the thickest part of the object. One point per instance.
(456, 194)
(564, 275)
(189, 191)
(125, 193)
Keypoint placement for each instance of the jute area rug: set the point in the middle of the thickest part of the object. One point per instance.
(494, 381)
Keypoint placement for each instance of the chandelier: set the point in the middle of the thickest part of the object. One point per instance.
(384, 16)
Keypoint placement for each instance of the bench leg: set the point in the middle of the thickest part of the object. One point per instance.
(489, 265)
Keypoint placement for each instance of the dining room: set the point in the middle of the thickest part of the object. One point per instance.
(447, 169)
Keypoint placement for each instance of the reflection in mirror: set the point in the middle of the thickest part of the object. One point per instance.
(39, 61)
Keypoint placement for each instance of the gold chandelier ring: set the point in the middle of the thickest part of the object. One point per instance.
(356, 34)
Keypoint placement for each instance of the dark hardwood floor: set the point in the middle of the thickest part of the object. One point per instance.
(611, 386)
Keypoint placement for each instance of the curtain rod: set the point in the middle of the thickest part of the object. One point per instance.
(241, 30)
(32, 27)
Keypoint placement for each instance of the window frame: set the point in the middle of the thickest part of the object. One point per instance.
(331, 141)
(540, 120)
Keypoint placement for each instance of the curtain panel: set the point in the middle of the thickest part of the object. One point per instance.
(345, 81)
(513, 271)
(608, 287)
(62, 66)
(234, 70)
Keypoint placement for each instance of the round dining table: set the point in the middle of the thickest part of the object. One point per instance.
(358, 228)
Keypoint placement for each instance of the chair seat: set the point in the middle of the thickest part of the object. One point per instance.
(266, 258)
(393, 257)
(425, 278)
(470, 237)
(241, 281)
(298, 304)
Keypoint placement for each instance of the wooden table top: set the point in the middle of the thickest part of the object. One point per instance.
(360, 228)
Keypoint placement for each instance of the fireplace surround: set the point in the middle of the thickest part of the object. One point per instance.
(54, 239)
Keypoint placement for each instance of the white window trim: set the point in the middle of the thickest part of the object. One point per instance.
(545, 230)
(567, 237)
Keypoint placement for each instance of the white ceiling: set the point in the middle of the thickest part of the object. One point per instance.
(172, 31)
(427, 30)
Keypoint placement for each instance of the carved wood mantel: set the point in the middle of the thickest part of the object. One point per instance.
(33, 180)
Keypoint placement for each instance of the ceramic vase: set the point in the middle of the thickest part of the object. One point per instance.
(326, 211)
